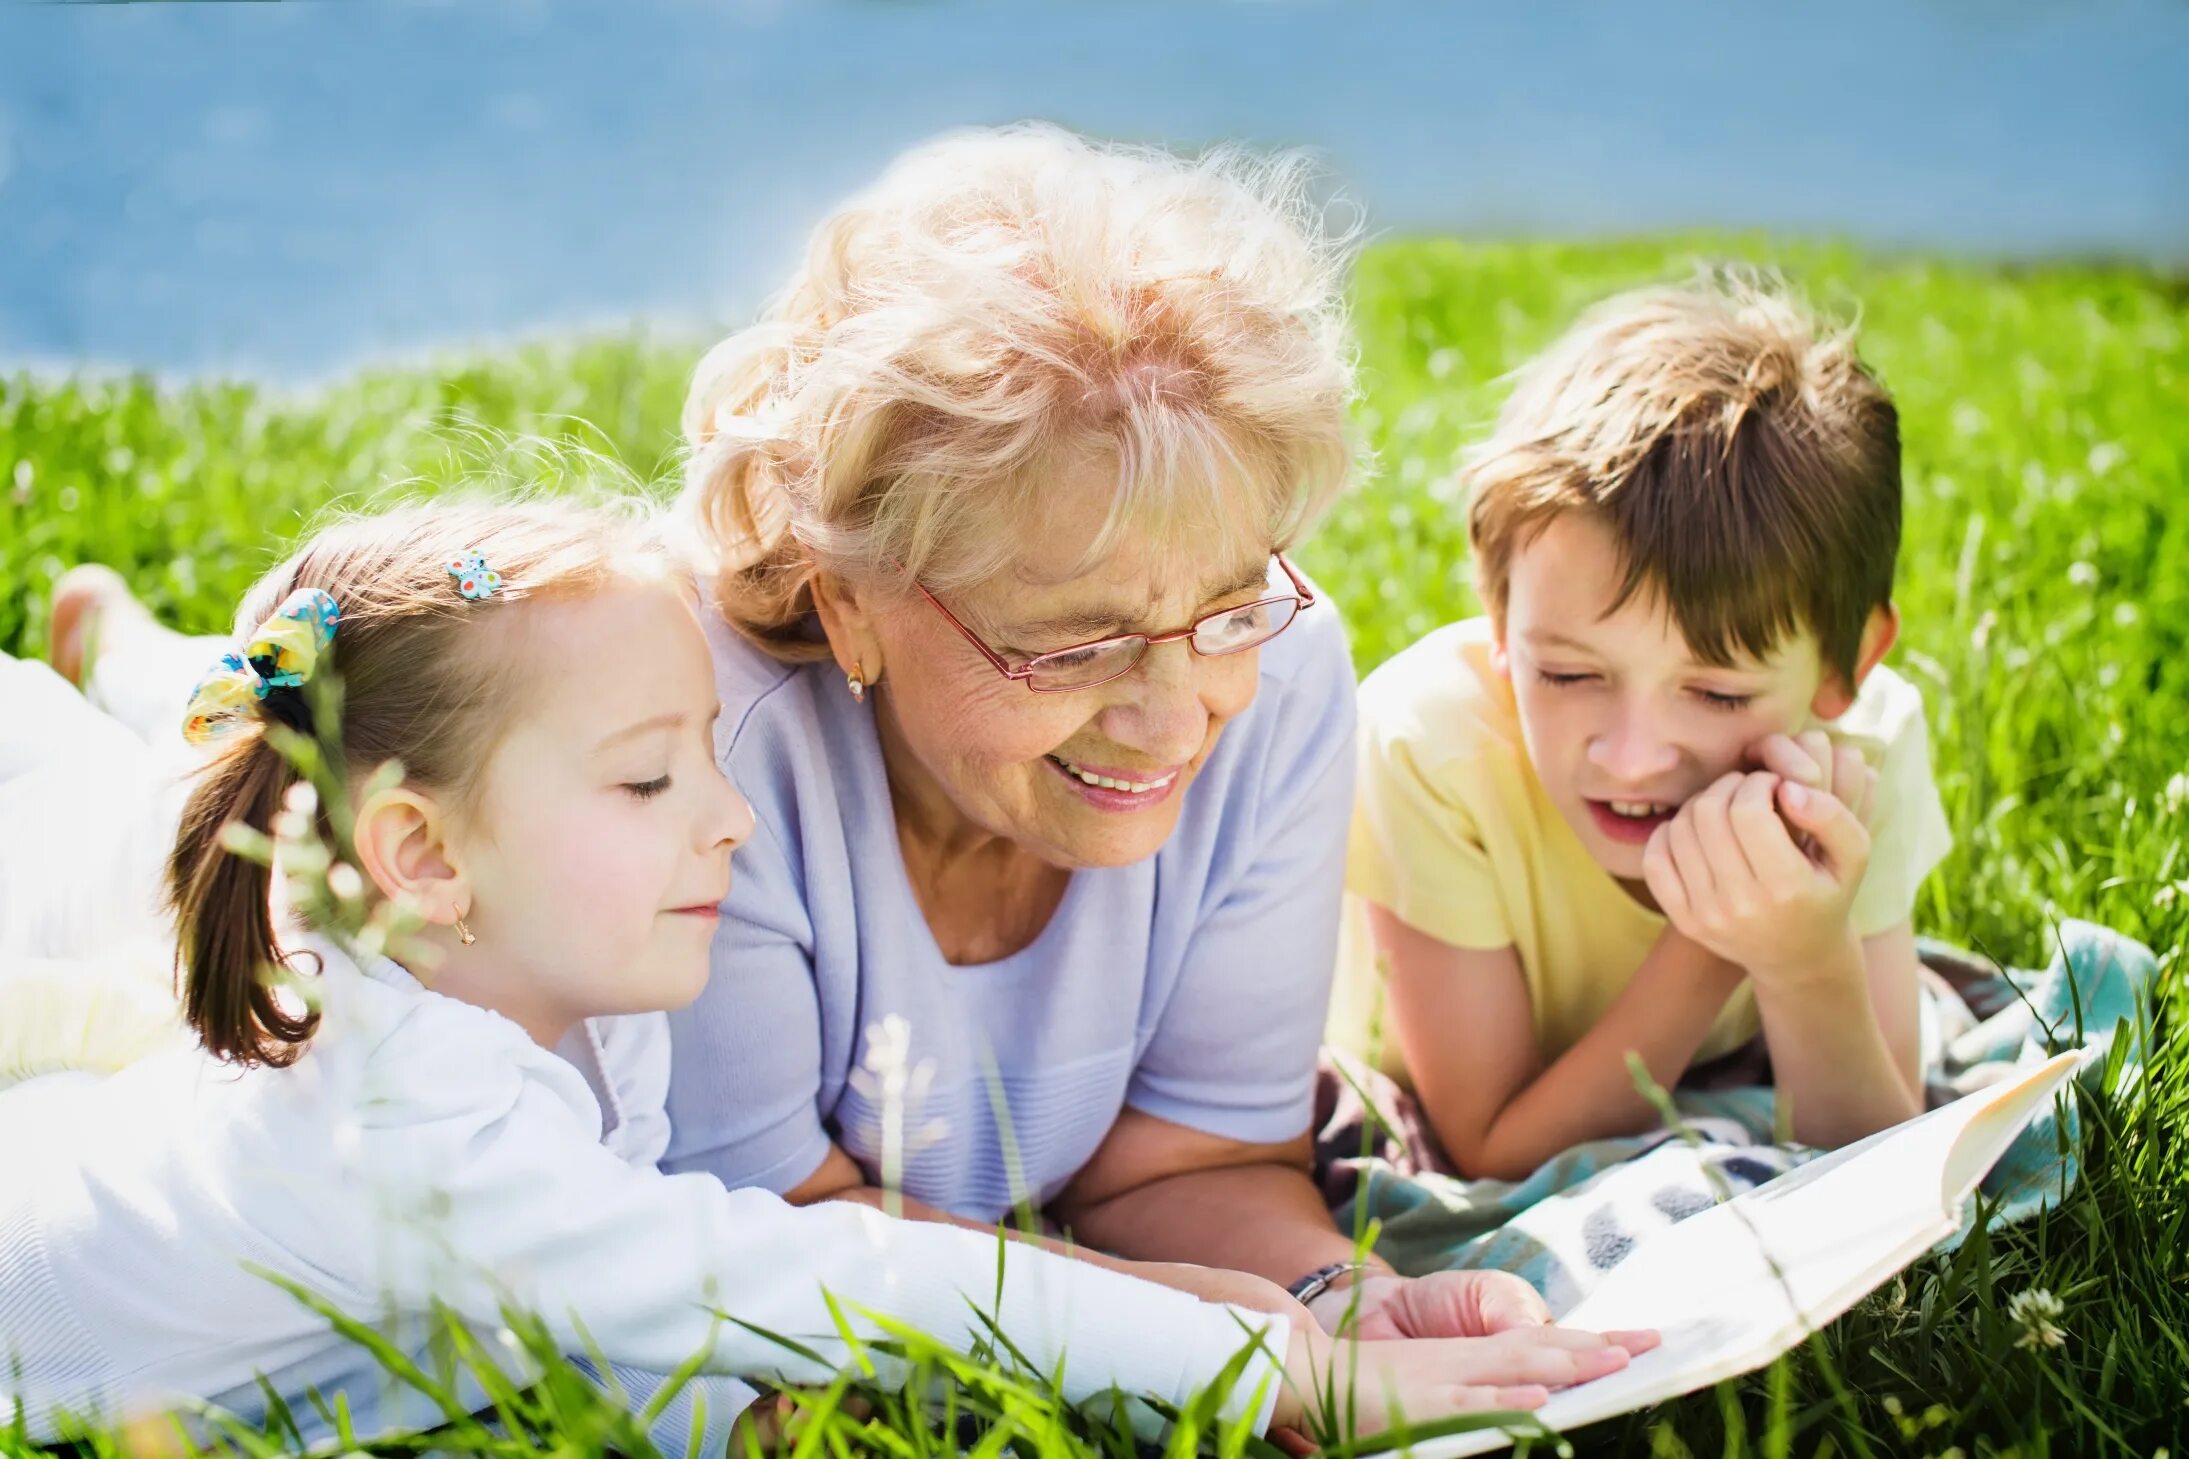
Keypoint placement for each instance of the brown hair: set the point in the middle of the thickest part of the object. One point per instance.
(426, 679)
(1743, 457)
(1001, 305)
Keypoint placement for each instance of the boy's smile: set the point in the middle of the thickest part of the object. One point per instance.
(1622, 723)
(1631, 821)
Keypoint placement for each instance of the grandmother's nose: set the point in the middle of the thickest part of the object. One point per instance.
(1161, 712)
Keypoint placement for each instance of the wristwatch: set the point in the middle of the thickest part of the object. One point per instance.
(1318, 1281)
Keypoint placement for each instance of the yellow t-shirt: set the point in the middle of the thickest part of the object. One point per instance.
(1453, 834)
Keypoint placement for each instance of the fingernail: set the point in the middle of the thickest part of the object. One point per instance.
(1797, 796)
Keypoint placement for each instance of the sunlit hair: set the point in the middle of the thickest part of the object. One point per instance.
(998, 310)
(427, 678)
(1744, 459)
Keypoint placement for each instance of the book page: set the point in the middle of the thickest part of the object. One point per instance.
(1735, 1286)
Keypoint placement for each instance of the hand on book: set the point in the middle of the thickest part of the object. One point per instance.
(1442, 1304)
(1347, 1389)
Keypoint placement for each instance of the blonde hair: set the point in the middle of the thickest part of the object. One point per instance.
(999, 306)
(427, 678)
(1742, 456)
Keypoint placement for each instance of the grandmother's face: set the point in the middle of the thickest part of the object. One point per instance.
(1018, 764)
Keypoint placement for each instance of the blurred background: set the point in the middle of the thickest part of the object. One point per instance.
(282, 190)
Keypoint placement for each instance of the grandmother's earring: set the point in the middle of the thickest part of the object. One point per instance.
(464, 934)
(856, 685)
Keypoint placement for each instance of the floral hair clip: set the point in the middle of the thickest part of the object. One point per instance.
(474, 579)
(282, 654)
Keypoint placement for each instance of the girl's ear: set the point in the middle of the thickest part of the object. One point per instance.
(847, 617)
(402, 847)
(1835, 696)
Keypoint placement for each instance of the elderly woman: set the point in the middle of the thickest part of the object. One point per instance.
(1049, 742)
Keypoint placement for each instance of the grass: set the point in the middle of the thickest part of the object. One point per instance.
(2044, 582)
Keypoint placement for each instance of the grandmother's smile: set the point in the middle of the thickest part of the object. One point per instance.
(1110, 789)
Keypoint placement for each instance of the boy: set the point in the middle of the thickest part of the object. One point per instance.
(1662, 797)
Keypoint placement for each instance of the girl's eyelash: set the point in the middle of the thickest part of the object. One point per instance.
(648, 789)
(1550, 678)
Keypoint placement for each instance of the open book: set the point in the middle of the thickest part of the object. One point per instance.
(1735, 1286)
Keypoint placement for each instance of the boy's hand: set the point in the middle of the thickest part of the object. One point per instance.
(1762, 870)
(1813, 758)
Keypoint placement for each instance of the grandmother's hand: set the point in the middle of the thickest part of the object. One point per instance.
(1442, 1304)
(1220, 1284)
(1439, 1304)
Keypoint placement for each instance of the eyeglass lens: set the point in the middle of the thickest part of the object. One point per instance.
(1223, 633)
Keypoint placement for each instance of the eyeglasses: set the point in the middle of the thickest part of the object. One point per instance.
(1084, 665)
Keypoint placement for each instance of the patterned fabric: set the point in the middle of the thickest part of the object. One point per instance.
(1580, 1213)
(281, 655)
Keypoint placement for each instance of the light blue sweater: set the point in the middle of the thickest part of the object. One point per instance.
(1192, 985)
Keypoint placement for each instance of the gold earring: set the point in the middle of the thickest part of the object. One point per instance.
(464, 934)
(856, 685)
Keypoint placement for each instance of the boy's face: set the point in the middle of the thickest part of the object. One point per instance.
(1622, 722)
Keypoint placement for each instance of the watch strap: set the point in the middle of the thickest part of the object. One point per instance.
(1318, 1281)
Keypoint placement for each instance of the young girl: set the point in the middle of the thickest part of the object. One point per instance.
(479, 1123)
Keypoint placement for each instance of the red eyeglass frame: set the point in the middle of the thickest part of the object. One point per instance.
(1301, 594)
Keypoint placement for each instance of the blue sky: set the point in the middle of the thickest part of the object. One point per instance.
(282, 189)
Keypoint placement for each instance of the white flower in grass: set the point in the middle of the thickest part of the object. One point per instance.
(887, 1076)
(2176, 794)
(298, 805)
(345, 884)
(889, 1080)
(2037, 1312)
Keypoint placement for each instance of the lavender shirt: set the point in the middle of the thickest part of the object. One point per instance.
(1191, 985)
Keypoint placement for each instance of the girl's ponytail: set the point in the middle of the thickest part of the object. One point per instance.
(224, 915)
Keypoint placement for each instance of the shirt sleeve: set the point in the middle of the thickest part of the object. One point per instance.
(494, 1192)
(635, 1062)
(1909, 835)
(746, 1055)
(1416, 848)
(1233, 1051)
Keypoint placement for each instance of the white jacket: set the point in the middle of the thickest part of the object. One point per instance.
(425, 1150)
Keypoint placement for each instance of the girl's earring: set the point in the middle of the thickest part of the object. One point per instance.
(464, 934)
(856, 685)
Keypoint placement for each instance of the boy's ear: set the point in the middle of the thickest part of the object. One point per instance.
(1498, 658)
(847, 618)
(402, 847)
(1835, 696)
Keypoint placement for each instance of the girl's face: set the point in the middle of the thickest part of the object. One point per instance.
(598, 854)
